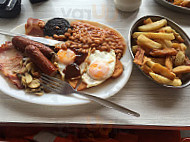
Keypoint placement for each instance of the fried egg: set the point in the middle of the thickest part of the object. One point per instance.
(101, 67)
(67, 57)
(64, 58)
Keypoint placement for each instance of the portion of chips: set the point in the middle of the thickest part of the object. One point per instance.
(160, 52)
(183, 3)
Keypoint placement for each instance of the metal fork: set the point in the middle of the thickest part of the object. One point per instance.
(64, 88)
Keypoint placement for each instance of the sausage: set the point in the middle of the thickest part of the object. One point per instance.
(20, 44)
(40, 60)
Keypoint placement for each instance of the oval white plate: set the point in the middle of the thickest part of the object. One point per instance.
(105, 90)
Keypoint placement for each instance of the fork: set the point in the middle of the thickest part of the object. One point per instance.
(61, 87)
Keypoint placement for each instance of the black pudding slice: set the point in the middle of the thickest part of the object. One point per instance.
(56, 26)
(72, 71)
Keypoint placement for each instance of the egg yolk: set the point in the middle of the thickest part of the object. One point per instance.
(66, 56)
(98, 70)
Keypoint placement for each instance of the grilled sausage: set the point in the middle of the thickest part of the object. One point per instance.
(20, 44)
(40, 60)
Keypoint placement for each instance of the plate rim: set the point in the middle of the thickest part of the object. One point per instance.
(172, 6)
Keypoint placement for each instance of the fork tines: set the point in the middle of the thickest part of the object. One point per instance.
(51, 83)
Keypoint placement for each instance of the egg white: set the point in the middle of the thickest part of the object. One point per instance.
(61, 67)
(102, 56)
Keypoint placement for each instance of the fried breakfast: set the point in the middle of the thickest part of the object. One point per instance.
(160, 52)
(183, 3)
(89, 54)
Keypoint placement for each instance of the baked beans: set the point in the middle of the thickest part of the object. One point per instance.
(41, 24)
(84, 36)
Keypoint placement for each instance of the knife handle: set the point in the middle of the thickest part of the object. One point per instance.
(6, 33)
(42, 40)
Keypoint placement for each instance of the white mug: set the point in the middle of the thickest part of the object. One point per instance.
(127, 5)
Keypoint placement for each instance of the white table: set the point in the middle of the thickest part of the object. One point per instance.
(158, 106)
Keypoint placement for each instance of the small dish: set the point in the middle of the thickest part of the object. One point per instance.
(173, 7)
(186, 78)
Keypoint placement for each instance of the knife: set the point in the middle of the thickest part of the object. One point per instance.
(46, 41)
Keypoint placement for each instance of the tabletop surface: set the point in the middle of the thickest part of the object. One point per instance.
(158, 106)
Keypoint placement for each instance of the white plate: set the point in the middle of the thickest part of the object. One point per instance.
(105, 90)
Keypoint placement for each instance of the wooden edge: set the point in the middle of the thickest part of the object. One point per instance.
(146, 127)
